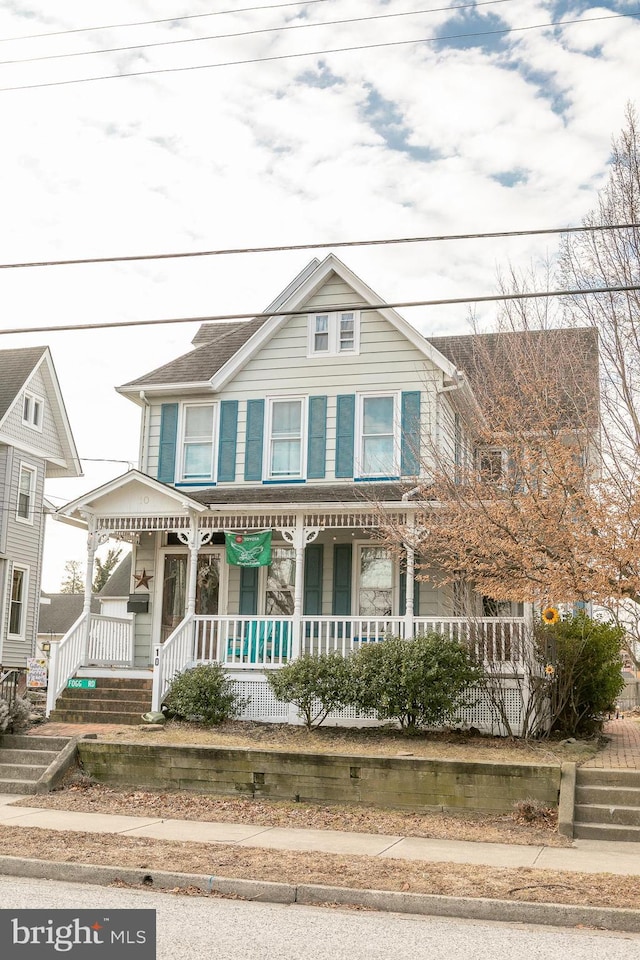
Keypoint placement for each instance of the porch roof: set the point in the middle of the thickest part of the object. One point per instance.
(288, 495)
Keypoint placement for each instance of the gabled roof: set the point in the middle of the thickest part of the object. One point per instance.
(120, 580)
(59, 611)
(224, 348)
(17, 367)
(133, 479)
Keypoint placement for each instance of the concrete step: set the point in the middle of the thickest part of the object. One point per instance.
(106, 693)
(607, 778)
(19, 741)
(18, 786)
(609, 796)
(9, 771)
(18, 757)
(597, 813)
(97, 705)
(94, 716)
(603, 831)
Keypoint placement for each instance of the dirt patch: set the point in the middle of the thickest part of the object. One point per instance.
(87, 797)
(223, 860)
(367, 741)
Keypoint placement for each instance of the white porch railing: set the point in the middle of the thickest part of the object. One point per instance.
(259, 643)
(109, 641)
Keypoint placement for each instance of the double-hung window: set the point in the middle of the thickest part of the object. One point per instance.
(335, 333)
(17, 604)
(286, 435)
(379, 453)
(32, 410)
(198, 428)
(26, 493)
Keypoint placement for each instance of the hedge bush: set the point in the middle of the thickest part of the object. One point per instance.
(316, 685)
(204, 694)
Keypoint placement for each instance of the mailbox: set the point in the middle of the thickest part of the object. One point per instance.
(138, 603)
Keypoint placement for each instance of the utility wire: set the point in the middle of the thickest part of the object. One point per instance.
(349, 307)
(248, 33)
(284, 248)
(143, 23)
(316, 53)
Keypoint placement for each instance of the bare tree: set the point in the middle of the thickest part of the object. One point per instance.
(73, 580)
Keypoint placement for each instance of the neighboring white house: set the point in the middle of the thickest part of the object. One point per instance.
(35, 443)
(301, 423)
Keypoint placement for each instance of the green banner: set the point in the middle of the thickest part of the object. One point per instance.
(248, 549)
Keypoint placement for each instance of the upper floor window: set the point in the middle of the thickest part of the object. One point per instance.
(18, 600)
(197, 441)
(334, 333)
(32, 411)
(379, 436)
(26, 493)
(492, 464)
(285, 439)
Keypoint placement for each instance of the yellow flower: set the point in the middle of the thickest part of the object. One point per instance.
(550, 615)
(549, 670)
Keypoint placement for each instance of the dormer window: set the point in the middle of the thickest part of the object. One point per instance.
(32, 410)
(331, 334)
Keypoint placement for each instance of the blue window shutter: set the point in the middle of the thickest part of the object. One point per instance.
(312, 603)
(168, 439)
(228, 442)
(248, 605)
(317, 446)
(254, 440)
(342, 554)
(345, 426)
(410, 440)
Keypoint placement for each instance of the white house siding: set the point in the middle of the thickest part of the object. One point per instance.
(4, 495)
(24, 547)
(47, 441)
(386, 361)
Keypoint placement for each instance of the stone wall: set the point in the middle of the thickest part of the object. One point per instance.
(400, 782)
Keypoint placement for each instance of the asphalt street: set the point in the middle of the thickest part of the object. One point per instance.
(190, 928)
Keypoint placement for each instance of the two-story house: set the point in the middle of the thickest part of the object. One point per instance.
(35, 443)
(302, 423)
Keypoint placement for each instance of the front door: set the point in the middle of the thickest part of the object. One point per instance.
(174, 588)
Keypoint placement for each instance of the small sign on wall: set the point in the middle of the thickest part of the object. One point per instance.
(82, 683)
(36, 673)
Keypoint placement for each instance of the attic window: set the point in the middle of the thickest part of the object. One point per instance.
(335, 333)
(32, 409)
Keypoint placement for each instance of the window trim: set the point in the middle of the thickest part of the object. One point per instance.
(22, 601)
(27, 468)
(334, 319)
(267, 473)
(30, 403)
(359, 435)
(180, 475)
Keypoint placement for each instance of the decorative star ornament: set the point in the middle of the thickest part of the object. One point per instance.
(142, 579)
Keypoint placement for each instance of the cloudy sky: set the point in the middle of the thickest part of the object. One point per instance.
(243, 129)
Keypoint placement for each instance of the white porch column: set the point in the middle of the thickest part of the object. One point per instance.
(194, 539)
(409, 593)
(299, 536)
(94, 539)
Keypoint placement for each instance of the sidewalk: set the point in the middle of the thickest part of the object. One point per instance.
(588, 856)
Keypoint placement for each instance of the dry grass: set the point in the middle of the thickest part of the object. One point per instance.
(524, 884)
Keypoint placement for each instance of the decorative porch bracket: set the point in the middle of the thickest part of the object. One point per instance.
(194, 538)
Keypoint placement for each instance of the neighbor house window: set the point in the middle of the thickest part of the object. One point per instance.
(19, 579)
(285, 446)
(334, 333)
(197, 441)
(378, 436)
(491, 464)
(32, 410)
(26, 493)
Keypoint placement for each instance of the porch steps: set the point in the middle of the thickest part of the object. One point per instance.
(25, 760)
(607, 805)
(120, 700)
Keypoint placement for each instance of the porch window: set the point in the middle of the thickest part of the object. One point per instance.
(197, 441)
(281, 581)
(285, 440)
(378, 436)
(18, 600)
(26, 491)
(375, 589)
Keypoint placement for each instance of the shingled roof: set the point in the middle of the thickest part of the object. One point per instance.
(16, 366)
(303, 493)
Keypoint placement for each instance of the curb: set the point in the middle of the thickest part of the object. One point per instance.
(470, 908)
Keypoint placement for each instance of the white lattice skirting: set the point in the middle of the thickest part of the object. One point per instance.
(263, 707)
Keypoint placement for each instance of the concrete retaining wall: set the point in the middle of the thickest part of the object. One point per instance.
(382, 781)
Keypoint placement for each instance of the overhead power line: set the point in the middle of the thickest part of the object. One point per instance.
(317, 53)
(340, 244)
(250, 33)
(348, 307)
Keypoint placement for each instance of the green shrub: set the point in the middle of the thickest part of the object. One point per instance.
(420, 682)
(316, 685)
(584, 672)
(204, 694)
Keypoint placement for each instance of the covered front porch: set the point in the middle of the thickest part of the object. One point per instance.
(330, 586)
